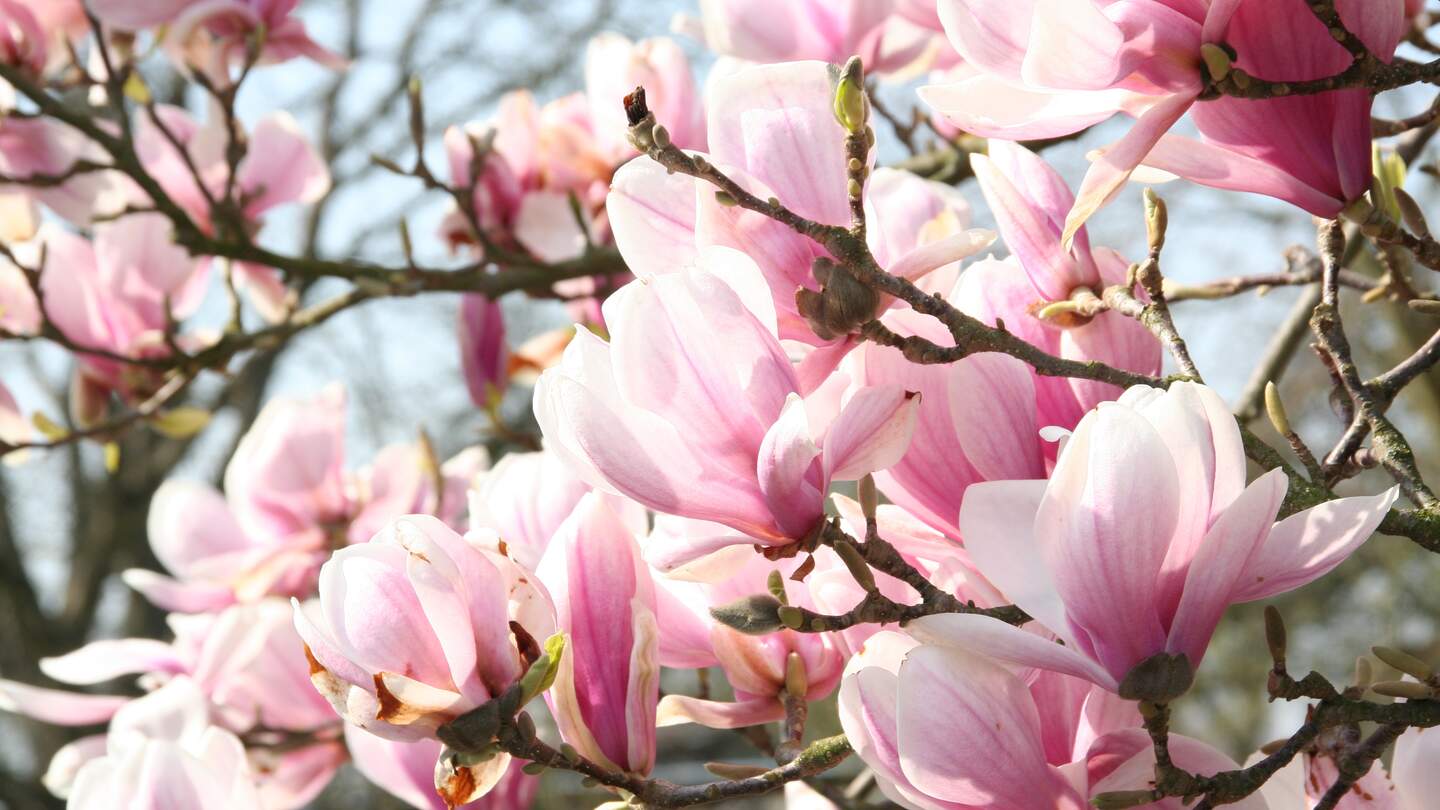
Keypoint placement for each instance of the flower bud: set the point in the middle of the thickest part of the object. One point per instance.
(1411, 214)
(754, 615)
(1405, 662)
(852, 105)
(797, 683)
(1408, 690)
(1275, 633)
(868, 496)
(1157, 221)
(855, 561)
(1122, 799)
(1275, 409)
(775, 583)
(730, 770)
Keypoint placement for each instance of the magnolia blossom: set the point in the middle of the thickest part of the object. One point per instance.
(523, 500)
(288, 503)
(1009, 743)
(1030, 202)
(756, 666)
(280, 167)
(484, 355)
(608, 681)
(414, 628)
(161, 751)
(213, 35)
(780, 139)
(1047, 68)
(1141, 538)
(245, 667)
(117, 295)
(526, 165)
(615, 66)
(24, 42)
(692, 408)
(826, 30)
(406, 770)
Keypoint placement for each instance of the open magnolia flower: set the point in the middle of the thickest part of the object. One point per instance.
(245, 666)
(288, 503)
(692, 408)
(1143, 535)
(1047, 68)
(1009, 743)
(1410, 784)
(161, 751)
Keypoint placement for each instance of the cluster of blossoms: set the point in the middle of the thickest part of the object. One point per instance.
(1060, 549)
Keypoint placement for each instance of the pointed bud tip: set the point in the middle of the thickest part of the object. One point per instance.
(754, 615)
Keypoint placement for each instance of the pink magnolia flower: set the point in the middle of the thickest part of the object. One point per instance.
(246, 663)
(406, 770)
(755, 666)
(287, 504)
(608, 683)
(1030, 202)
(939, 557)
(523, 500)
(1409, 785)
(417, 627)
(32, 147)
(280, 167)
(1141, 538)
(661, 221)
(24, 42)
(693, 408)
(534, 160)
(946, 728)
(161, 751)
(977, 422)
(214, 35)
(484, 355)
(1046, 68)
(615, 66)
(824, 30)
(111, 295)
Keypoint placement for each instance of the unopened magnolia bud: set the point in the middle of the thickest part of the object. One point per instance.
(635, 107)
(1408, 690)
(854, 189)
(775, 583)
(1275, 409)
(869, 497)
(1410, 212)
(730, 770)
(796, 681)
(1157, 221)
(417, 110)
(1405, 662)
(852, 106)
(1275, 633)
(1159, 679)
(660, 136)
(725, 199)
(752, 615)
(568, 751)
(1425, 306)
(1122, 799)
(1217, 61)
(791, 617)
(855, 561)
(533, 768)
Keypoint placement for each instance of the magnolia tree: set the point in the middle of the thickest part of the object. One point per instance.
(1046, 528)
